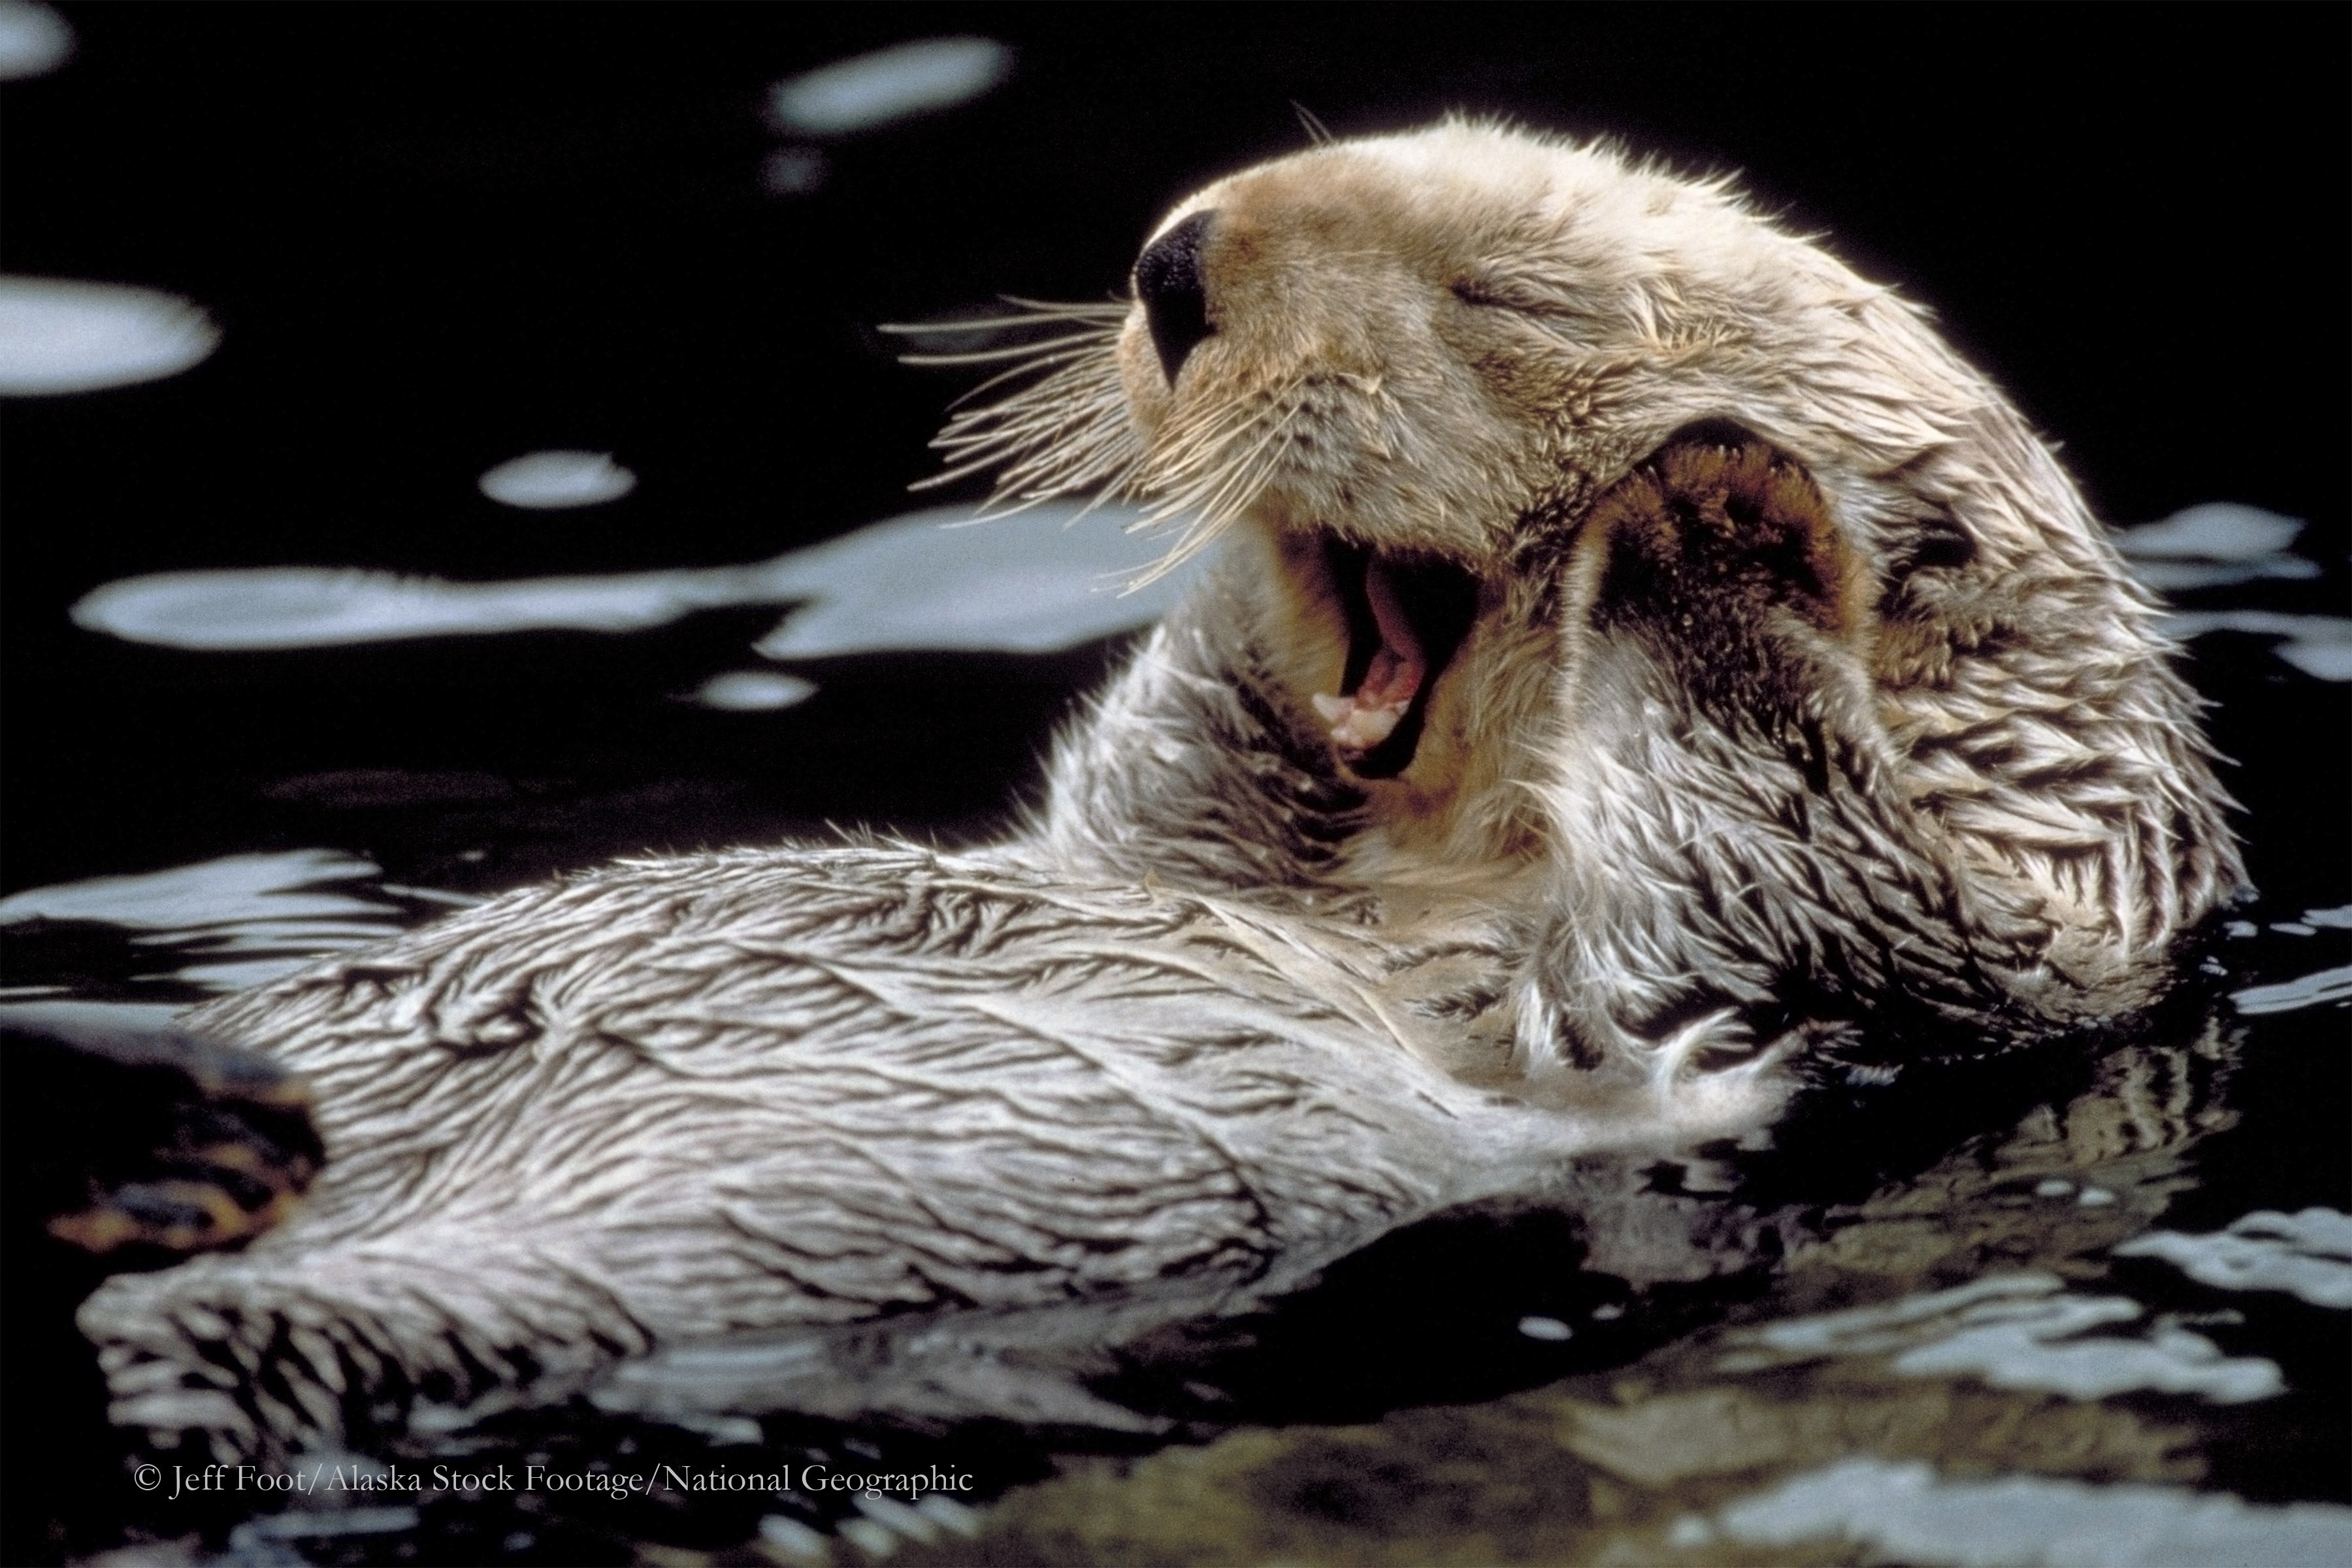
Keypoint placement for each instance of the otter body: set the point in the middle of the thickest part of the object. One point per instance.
(1642, 661)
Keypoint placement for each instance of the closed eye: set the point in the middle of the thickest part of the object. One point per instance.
(1473, 291)
(1503, 294)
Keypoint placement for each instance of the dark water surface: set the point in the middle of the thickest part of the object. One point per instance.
(2085, 1312)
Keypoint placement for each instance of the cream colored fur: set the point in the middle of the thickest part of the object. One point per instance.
(1828, 735)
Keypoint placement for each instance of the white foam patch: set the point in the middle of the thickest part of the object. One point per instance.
(752, 691)
(2319, 646)
(2287, 995)
(1024, 583)
(58, 335)
(1908, 1514)
(544, 481)
(893, 84)
(2307, 1253)
(2337, 919)
(34, 39)
(2022, 1331)
(247, 917)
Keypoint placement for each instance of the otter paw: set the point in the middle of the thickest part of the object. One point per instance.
(125, 1136)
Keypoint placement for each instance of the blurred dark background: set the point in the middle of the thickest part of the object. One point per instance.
(439, 236)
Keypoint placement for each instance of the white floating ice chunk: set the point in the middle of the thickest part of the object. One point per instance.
(754, 691)
(544, 481)
(2021, 1331)
(1538, 1328)
(2308, 1254)
(58, 335)
(2319, 646)
(2306, 991)
(1907, 1514)
(2216, 531)
(33, 39)
(891, 84)
(1024, 583)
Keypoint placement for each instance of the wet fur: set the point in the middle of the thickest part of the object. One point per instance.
(1807, 716)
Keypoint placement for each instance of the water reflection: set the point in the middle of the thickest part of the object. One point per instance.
(889, 85)
(34, 40)
(2313, 990)
(223, 924)
(2319, 646)
(2220, 544)
(752, 691)
(2308, 1255)
(1039, 582)
(58, 335)
(1912, 1515)
(548, 480)
(2214, 545)
(2019, 1331)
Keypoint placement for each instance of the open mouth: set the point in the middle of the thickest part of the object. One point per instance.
(1406, 619)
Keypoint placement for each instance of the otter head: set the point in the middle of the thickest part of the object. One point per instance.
(1412, 366)
(1560, 465)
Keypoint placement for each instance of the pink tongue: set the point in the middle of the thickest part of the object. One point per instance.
(1363, 720)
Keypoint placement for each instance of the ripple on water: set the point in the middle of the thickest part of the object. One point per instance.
(235, 921)
(2019, 1331)
(1913, 1515)
(941, 580)
(2307, 1253)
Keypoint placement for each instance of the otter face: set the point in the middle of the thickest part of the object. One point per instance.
(1578, 502)
(1410, 364)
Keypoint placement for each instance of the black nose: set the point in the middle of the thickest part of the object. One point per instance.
(1168, 281)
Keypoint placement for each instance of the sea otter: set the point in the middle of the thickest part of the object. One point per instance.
(1643, 665)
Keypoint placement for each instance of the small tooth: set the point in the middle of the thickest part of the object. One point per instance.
(1368, 727)
(1335, 710)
